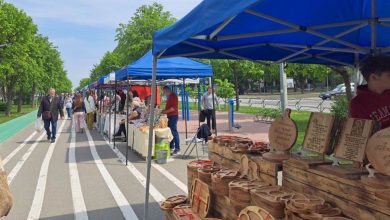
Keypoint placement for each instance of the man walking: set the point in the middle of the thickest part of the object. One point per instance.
(208, 107)
(172, 111)
(50, 105)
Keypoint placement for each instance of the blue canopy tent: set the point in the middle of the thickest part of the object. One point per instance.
(332, 32)
(169, 68)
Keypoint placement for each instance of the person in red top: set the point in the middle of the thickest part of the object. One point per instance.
(172, 111)
(372, 101)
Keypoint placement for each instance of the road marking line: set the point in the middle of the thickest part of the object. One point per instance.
(172, 178)
(156, 195)
(21, 162)
(36, 207)
(80, 210)
(14, 152)
(120, 199)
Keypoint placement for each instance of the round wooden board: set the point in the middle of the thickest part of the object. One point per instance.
(255, 213)
(283, 132)
(378, 151)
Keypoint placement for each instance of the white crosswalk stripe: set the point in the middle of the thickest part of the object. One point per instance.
(14, 152)
(39, 195)
(156, 195)
(80, 210)
(21, 162)
(120, 199)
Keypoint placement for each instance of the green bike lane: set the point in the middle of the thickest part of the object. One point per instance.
(13, 127)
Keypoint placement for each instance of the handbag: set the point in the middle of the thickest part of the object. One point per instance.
(6, 200)
(202, 116)
(46, 115)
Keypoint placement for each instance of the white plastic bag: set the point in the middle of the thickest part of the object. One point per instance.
(38, 125)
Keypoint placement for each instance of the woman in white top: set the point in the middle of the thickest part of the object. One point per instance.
(90, 108)
(208, 108)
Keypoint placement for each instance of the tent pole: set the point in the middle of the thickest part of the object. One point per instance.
(357, 73)
(109, 116)
(185, 105)
(150, 143)
(127, 121)
(113, 135)
(215, 111)
(374, 30)
(199, 102)
(283, 87)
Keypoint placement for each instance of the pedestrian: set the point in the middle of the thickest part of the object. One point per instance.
(48, 109)
(62, 100)
(90, 107)
(79, 113)
(135, 114)
(68, 106)
(172, 111)
(208, 108)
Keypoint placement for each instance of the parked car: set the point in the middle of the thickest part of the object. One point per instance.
(339, 90)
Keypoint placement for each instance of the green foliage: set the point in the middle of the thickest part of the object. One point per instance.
(269, 112)
(225, 89)
(29, 63)
(83, 82)
(303, 72)
(3, 106)
(135, 37)
(109, 63)
(340, 107)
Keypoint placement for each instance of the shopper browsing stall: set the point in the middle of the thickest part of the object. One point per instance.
(373, 100)
(134, 115)
(171, 110)
(208, 108)
(90, 108)
(79, 113)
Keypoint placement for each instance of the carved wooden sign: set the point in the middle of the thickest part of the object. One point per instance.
(353, 139)
(319, 132)
(378, 151)
(283, 132)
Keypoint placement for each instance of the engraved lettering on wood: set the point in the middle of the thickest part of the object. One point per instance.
(378, 151)
(353, 139)
(318, 133)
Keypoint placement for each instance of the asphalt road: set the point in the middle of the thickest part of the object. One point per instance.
(81, 176)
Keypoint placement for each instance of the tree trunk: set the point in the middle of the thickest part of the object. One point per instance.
(302, 85)
(236, 85)
(272, 86)
(20, 102)
(33, 91)
(260, 87)
(347, 82)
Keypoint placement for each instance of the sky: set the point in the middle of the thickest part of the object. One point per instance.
(83, 30)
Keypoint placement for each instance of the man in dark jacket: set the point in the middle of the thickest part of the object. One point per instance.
(50, 105)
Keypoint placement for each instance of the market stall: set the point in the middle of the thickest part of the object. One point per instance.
(171, 68)
(329, 32)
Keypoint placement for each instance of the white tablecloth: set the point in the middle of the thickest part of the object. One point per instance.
(107, 123)
(141, 139)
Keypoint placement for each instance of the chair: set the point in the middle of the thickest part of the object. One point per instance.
(200, 136)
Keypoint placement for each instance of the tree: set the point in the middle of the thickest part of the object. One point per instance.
(17, 32)
(345, 74)
(225, 89)
(109, 63)
(302, 72)
(83, 82)
(135, 37)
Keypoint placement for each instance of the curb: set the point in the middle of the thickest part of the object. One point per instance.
(11, 128)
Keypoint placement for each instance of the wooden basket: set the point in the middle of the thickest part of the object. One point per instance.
(221, 179)
(271, 198)
(206, 171)
(255, 213)
(184, 212)
(192, 171)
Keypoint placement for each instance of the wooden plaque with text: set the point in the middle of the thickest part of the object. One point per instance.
(319, 132)
(353, 139)
(378, 151)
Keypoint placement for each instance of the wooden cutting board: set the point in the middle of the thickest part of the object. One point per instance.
(283, 132)
(378, 151)
(353, 139)
(200, 198)
(319, 132)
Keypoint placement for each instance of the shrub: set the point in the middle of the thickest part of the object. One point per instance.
(3, 106)
(340, 107)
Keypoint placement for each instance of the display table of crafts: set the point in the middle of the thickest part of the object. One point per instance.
(110, 130)
(138, 138)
